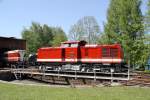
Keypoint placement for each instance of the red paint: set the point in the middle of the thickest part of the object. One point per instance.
(14, 55)
(49, 53)
(82, 53)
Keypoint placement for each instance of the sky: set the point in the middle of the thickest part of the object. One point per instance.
(15, 15)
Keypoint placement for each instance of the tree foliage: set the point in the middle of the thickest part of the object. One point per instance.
(125, 26)
(124, 17)
(147, 31)
(41, 36)
(86, 28)
(147, 18)
(59, 36)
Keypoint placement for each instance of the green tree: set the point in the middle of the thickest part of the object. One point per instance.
(147, 18)
(147, 30)
(125, 25)
(146, 55)
(86, 28)
(42, 36)
(31, 35)
(59, 36)
(124, 17)
(45, 36)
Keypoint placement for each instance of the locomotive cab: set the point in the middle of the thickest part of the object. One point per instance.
(71, 54)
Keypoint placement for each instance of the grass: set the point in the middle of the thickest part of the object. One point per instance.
(20, 92)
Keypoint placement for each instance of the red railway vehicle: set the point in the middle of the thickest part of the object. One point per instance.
(77, 55)
(14, 56)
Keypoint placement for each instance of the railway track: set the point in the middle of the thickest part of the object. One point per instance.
(140, 79)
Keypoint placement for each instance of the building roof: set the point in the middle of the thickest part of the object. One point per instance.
(11, 38)
(12, 43)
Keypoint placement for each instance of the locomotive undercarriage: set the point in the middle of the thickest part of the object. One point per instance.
(16, 65)
(86, 67)
(80, 67)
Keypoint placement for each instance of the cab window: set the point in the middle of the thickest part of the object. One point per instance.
(74, 45)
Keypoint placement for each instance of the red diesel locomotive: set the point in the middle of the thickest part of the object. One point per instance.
(79, 56)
